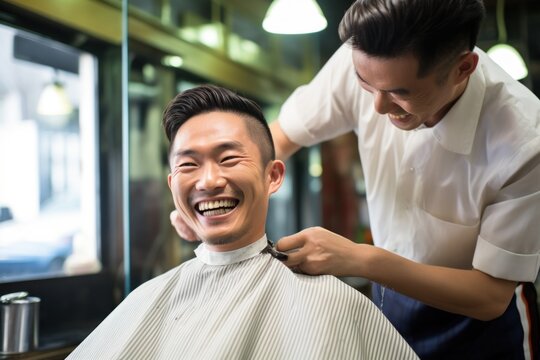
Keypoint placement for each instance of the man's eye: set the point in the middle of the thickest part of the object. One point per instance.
(229, 158)
(400, 95)
(186, 164)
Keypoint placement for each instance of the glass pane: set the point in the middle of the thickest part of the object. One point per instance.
(199, 22)
(248, 42)
(48, 174)
(152, 7)
(191, 13)
(292, 51)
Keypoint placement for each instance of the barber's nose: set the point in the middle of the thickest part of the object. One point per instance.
(382, 102)
(210, 178)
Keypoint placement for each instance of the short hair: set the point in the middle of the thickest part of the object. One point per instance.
(207, 98)
(434, 31)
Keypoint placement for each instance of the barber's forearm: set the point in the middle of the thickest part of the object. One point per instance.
(466, 292)
(285, 148)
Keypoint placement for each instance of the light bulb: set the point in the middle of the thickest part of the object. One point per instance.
(294, 17)
(509, 59)
(54, 101)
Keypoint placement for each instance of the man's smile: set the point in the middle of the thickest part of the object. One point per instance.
(398, 117)
(216, 207)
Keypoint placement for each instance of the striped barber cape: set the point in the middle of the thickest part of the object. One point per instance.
(243, 304)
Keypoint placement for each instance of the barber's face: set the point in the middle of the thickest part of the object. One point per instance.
(407, 100)
(218, 182)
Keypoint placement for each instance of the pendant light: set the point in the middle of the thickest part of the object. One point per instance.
(294, 17)
(503, 54)
(53, 100)
(54, 104)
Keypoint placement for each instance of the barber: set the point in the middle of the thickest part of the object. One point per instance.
(450, 149)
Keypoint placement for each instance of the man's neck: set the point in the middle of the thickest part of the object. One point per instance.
(210, 257)
(459, 90)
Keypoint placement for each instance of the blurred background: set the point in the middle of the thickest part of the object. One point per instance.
(84, 202)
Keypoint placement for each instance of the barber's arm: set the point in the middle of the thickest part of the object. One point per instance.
(467, 292)
(285, 148)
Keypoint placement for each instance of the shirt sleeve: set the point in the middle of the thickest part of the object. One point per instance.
(509, 243)
(320, 110)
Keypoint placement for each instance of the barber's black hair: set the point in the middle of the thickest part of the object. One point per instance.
(432, 30)
(206, 98)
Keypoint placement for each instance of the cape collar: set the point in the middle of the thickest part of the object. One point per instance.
(210, 257)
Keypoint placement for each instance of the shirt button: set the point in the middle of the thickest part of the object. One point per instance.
(411, 169)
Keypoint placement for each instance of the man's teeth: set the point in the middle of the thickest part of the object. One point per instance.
(209, 205)
(215, 212)
(398, 117)
(218, 207)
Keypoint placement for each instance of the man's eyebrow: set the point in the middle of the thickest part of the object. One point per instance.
(180, 153)
(227, 145)
(400, 91)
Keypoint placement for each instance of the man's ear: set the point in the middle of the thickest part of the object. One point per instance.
(276, 175)
(169, 179)
(466, 65)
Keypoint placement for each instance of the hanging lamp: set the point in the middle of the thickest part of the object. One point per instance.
(294, 17)
(505, 55)
(54, 100)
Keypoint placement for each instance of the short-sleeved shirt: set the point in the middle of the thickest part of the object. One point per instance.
(464, 193)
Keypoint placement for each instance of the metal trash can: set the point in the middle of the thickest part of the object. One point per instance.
(19, 319)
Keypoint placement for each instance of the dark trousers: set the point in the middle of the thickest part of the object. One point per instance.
(437, 334)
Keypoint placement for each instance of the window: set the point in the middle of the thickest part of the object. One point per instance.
(48, 162)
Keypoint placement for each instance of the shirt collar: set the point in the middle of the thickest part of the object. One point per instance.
(456, 131)
(210, 257)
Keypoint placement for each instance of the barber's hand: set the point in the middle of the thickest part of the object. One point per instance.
(181, 227)
(317, 251)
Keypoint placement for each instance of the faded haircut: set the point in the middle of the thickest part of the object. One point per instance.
(207, 98)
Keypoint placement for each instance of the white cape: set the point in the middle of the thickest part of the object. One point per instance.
(252, 307)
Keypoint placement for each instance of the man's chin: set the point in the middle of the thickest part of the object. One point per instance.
(218, 240)
(409, 124)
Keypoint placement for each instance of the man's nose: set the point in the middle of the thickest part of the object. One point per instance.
(211, 178)
(382, 102)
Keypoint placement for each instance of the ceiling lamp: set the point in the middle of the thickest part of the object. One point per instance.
(54, 100)
(503, 54)
(509, 59)
(294, 17)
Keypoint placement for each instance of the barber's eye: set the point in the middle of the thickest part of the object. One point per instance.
(366, 86)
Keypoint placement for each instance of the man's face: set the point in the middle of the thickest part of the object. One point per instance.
(408, 101)
(218, 182)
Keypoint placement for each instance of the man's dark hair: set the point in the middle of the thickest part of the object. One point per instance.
(434, 31)
(207, 98)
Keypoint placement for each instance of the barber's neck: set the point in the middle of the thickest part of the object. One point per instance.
(456, 95)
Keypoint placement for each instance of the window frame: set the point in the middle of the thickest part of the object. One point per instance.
(72, 306)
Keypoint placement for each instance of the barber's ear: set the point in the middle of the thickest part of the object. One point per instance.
(276, 174)
(466, 65)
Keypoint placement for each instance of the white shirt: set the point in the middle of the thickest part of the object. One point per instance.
(243, 305)
(464, 193)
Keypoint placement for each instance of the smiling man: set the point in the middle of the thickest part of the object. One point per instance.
(216, 179)
(235, 300)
